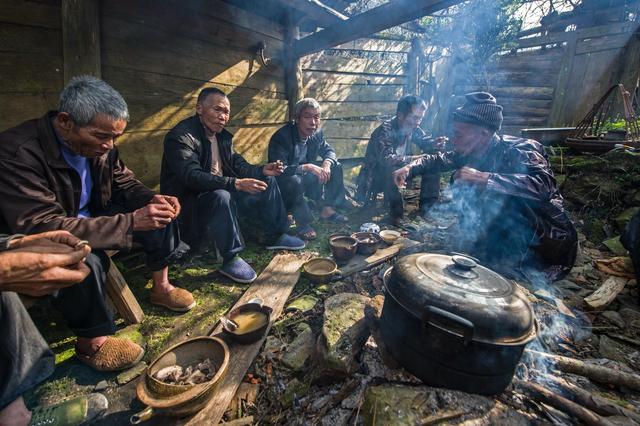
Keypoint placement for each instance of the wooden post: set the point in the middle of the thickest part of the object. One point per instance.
(412, 84)
(558, 117)
(81, 38)
(292, 70)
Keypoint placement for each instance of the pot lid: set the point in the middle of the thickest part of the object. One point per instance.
(457, 294)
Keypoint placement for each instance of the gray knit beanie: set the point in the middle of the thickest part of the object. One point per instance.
(481, 109)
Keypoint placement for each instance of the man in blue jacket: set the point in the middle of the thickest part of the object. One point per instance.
(212, 182)
(298, 145)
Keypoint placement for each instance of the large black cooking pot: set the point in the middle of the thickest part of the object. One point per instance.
(455, 324)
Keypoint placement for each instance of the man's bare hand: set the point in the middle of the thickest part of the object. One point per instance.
(400, 176)
(46, 242)
(440, 143)
(326, 166)
(273, 169)
(168, 200)
(472, 176)
(318, 172)
(153, 216)
(252, 186)
(37, 273)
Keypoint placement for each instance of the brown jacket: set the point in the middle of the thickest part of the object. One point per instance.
(40, 192)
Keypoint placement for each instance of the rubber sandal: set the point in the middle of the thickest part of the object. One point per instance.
(307, 233)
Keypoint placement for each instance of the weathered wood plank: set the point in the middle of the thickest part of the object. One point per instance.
(273, 286)
(520, 92)
(81, 38)
(355, 110)
(525, 121)
(375, 45)
(333, 78)
(596, 44)
(349, 148)
(29, 73)
(18, 107)
(360, 263)
(120, 294)
(322, 62)
(556, 115)
(315, 10)
(181, 21)
(354, 93)
(22, 12)
(252, 142)
(370, 22)
(28, 39)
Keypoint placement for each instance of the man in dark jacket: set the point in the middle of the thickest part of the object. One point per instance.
(36, 266)
(391, 147)
(511, 212)
(62, 172)
(298, 145)
(200, 167)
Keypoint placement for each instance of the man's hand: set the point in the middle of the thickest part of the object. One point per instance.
(273, 169)
(168, 200)
(252, 186)
(440, 142)
(326, 166)
(472, 176)
(400, 176)
(32, 270)
(318, 172)
(153, 216)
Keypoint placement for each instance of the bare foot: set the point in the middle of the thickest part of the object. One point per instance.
(15, 414)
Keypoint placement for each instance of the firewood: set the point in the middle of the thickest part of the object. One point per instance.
(245, 421)
(606, 293)
(597, 373)
(593, 402)
(441, 417)
(542, 394)
(344, 392)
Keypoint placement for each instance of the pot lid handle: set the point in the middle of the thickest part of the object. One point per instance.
(464, 262)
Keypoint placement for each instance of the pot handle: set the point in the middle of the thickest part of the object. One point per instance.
(141, 416)
(467, 326)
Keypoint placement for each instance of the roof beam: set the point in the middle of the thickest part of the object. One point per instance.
(316, 10)
(370, 22)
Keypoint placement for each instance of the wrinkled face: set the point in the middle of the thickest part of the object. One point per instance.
(409, 122)
(469, 139)
(308, 122)
(214, 112)
(93, 140)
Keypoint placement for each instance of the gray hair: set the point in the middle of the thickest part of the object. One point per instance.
(85, 97)
(303, 104)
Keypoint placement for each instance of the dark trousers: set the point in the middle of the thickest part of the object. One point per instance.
(429, 191)
(217, 213)
(25, 358)
(294, 188)
(83, 305)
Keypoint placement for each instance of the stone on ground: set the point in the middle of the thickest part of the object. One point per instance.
(623, 218)
(301, 349)
(302, 304)
(344, 332)
(615, 246)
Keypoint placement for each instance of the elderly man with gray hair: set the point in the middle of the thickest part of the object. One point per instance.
(63, 172)
(298, 145)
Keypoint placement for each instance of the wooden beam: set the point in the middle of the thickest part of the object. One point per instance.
(292, 70)
(316, 10)
(370, 22)
(81, 38)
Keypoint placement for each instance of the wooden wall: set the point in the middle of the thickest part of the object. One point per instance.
(31, 69)
(158, 54)
(548, 80)
(357, 92)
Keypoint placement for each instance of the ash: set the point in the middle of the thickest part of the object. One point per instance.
(191, 375)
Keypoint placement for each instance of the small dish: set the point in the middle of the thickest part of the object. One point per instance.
(389, 236)
(252, 320)
(368, 242)
(320, 270)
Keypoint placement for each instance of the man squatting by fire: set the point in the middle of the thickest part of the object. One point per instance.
(511, 212)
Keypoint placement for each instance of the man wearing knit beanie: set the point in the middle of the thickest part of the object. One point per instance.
(511, 212)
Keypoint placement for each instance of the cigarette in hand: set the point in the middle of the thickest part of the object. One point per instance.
(80, 244)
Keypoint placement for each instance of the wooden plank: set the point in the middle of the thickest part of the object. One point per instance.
(323, 62)
(349, 148)
(38, 14)
(356, 110)
(252, 142)
(361, 263)
(273, 286)
(525, 121)
(353, 93)
(556, 115)
(375, 45)
(28, 39)
(133, 38)
(522, 77)
(293, 71)
(370, 22)
(519, 92)
(333, 78)
(80, 38)
(19, 107)
(349, 129)
(29, 73)
(315, 10)
(180, 21)
(606, 293)
(120, 294)
(617, 41)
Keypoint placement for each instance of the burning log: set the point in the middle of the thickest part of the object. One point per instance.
(600, 374)
(542, 394)
(593, 402)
